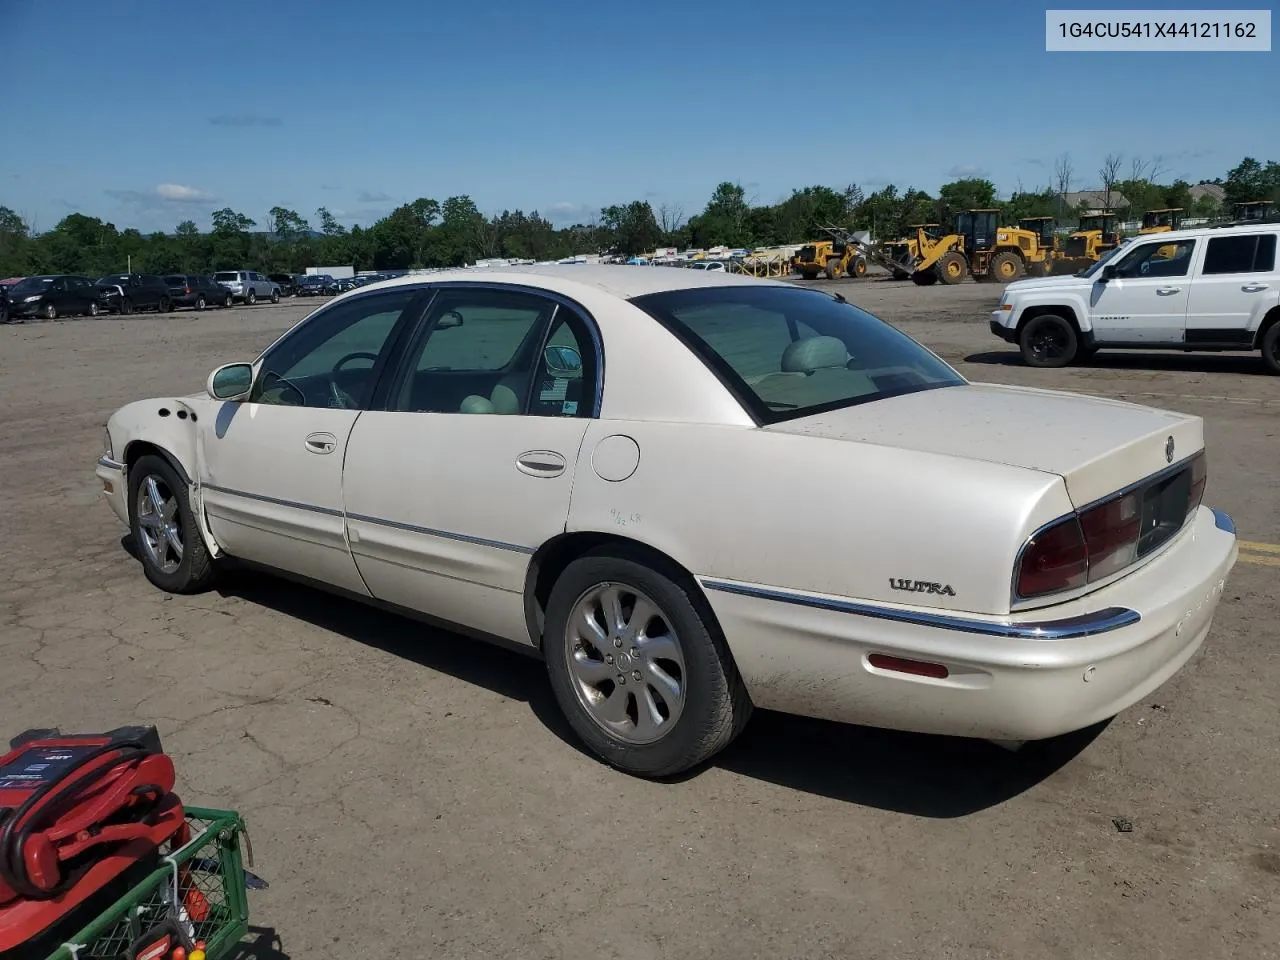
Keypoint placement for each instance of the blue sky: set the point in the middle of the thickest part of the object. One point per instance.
(568, 107)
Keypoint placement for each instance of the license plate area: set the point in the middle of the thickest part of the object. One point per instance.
(1164, 511)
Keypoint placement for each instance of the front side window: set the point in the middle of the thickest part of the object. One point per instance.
(480, 353)
(1251, 253)
(786, 352)
(329, 360)
(1168, 259)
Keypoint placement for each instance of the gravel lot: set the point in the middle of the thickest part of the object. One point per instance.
(412, 793)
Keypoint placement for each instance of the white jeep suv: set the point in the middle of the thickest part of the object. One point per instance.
(1202, 289)
(248, 285)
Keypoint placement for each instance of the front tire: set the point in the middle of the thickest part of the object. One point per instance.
(172, 549)
(228, 301)
(50, 312)
(1048, 340)
(951, 268)
(163, 305)
(251, 297)
(639, 666)
(859, 268)
(833, 269)
(275, 296)
(1005, 267)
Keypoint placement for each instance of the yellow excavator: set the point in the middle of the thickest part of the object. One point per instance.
(979, 246)
(1162, 220)
(1096, 233)
(840, 256)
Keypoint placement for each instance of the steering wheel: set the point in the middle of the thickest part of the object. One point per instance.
(339, 397)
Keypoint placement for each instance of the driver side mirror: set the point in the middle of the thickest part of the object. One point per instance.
(232, 381)
(1108, 272)
(451, 319)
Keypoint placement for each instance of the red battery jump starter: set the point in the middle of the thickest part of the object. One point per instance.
(82, 819)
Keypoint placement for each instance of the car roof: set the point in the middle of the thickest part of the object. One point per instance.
(624, 282)
(1209, 231)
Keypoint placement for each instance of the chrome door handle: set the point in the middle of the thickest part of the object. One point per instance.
(541, 463)
(1166, 291)
(1254, 287)
(320, 443)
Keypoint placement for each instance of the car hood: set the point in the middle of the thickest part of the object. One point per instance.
(1095, 444)
(1046, 283)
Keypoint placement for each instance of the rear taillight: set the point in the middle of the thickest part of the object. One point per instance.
(1054, 559)
(1107, 538)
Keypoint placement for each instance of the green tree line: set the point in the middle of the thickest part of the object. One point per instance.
(429, 233)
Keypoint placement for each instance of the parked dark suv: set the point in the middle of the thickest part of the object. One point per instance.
(194, 290)
(126, 292)
(287, 282)
(52, 296)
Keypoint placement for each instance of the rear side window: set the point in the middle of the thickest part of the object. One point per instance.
(226, 276)
(1251, 253)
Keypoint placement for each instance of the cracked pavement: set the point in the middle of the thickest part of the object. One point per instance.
(412, 791)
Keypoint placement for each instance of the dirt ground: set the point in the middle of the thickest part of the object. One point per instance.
(412, 793)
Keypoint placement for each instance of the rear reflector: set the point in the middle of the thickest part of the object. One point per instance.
(917, 668)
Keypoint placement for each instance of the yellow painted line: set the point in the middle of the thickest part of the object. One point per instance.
(1255, 547)
(1259, 559)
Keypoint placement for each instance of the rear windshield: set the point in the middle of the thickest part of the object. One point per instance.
(787, 352)
(225, 275)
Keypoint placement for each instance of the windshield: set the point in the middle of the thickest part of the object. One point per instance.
(30, 286)
(787, 352)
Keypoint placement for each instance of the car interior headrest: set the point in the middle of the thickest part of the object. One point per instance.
(814, 353)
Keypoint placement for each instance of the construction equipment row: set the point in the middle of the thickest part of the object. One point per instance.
(978, 246)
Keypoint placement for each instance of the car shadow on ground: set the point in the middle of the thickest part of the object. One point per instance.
(927, 776)
(1172, 362)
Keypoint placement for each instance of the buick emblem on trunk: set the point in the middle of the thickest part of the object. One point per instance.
(1168, 450)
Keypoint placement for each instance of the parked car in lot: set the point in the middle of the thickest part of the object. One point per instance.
(125, 293)
(1202, 289)
(197, 291)
(51, 296)
(287, 282)
(316, 285)
(766, 498)
(248, 286)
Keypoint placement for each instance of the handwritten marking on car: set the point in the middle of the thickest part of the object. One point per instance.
(622, 518)
(922, 586)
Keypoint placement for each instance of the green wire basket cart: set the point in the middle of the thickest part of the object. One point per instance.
(199, 890)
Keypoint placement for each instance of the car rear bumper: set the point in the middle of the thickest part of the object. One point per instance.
(1026, 677)
(112, 475)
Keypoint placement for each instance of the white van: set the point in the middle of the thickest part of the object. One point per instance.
(1202, 289)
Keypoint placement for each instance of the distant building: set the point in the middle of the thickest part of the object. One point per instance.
(1095, 200)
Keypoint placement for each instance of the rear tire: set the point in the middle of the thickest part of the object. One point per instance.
(705, 701)
(200, 302)
(859, 267)
(194, 571)
(1271, 348)
(228, 301)
(1005, 267)
(163, 305)
(275, 296)
(93, 308)
(126, 307)
(1048, 340)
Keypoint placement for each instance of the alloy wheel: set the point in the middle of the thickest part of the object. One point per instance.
(625, 662)
(159, 524)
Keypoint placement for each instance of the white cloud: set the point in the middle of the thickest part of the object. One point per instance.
(962, 170)
(181, 193)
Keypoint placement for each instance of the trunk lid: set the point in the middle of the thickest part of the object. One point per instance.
(1097, 445)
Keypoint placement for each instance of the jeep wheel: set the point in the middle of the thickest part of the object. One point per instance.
(1048, 341)
(1271, 348)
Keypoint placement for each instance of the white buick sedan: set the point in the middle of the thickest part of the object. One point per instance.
(695, 493)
